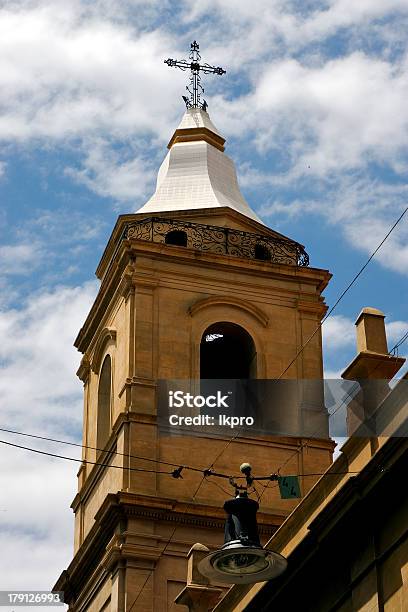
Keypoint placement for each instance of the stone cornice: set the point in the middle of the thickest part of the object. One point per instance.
(318, 309)
(146, 383)
(370, 365)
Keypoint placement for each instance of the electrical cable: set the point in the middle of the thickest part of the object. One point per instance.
(344, 292)
(352, 390)
(30, 435)
(187, 467)
(205, 473)
(213, 482)
(109, 465)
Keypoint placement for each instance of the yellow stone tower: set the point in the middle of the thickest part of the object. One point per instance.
(194, 263)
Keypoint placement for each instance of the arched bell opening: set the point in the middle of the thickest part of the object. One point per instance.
(262, 252)
(176, 238)
(227, 351)
(103, 427)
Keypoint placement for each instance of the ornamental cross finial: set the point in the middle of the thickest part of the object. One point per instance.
(195, 89)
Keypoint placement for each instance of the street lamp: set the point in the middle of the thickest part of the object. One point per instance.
(242, 560)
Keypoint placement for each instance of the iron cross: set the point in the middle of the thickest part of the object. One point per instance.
(195, 89)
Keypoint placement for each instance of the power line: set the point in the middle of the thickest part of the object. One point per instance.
(352, 390)
(102, 450)
(399, 343)
(345, 291)
(109, 465)
(206, 473)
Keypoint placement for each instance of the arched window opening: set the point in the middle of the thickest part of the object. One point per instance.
(104, 403)
(176, 237)
(262, 252)
(227, 351)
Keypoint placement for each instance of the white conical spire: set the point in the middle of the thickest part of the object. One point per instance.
(196, 173)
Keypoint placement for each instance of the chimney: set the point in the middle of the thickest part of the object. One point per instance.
(373, 360)
(373, 367)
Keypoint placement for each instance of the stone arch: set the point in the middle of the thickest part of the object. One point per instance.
(251, 309)
(213, 310)
(106, 337)
(262, 252)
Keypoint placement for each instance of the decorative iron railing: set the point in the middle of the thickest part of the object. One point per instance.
(221, 240)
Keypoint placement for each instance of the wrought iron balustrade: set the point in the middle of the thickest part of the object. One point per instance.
(221, 240)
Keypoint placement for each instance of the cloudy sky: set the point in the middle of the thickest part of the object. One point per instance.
(314, 109)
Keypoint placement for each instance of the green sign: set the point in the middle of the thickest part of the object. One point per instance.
(289, 487)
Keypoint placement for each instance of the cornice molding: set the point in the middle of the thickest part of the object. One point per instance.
(313, 308)
(196, 134)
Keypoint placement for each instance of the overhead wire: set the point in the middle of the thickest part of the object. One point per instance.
(205, 473)
(345, 291)
(108, 465)
(351, 391)
(113, 452)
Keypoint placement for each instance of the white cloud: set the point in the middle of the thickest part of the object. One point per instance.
(338, 332)
(44, 527)
(363, 208)
(38, 388)
(338, 115)
(280, 27)
(395, 331)
(88, 71)
(66, 72)
(20, 258)
(106, 174)
(39, 393)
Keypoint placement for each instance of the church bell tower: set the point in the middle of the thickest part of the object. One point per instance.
(192, 286)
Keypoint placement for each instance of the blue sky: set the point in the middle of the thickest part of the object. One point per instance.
(314, 110)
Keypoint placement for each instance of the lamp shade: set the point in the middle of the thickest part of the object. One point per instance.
(242, 560)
